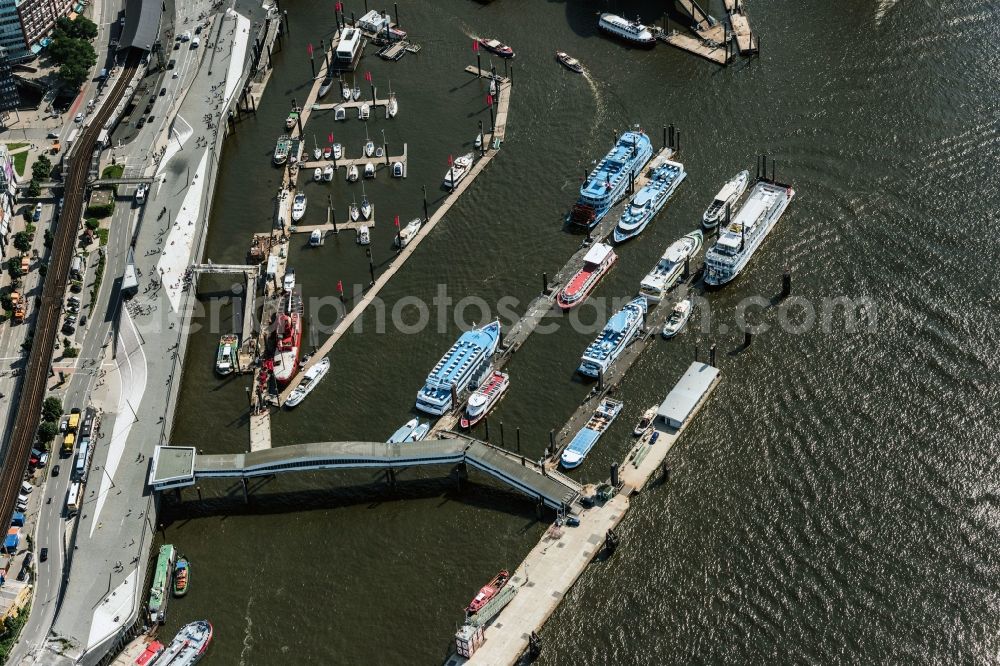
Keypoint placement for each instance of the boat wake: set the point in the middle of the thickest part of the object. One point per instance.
(598, 104)
(883, 8)
(247, 636)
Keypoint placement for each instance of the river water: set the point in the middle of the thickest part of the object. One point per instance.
(835, 500)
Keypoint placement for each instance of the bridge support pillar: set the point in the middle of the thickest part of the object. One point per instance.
(246, 493)
(390, 476)
(460, 472)
(539, 508)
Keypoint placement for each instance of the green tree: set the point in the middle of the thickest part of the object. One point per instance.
(74, 54)
(22, 241)
(47, 430)
(34, 189)
(81, 28)
(71, 352)
(92, 223)
(47, 240)
(41, 169)
(52, 409)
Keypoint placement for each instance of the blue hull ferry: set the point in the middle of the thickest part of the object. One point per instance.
(468, 359)
(648, 201)
(608, 182)
(584, 440)
(618, 332)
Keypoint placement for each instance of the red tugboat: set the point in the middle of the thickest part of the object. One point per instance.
(596, 263)
(288, 342)
(497, 47)
(488, 591)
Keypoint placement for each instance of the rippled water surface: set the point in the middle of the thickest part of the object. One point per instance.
(835, 501)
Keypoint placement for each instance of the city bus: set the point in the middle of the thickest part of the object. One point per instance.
(74, 498)
(82, 461)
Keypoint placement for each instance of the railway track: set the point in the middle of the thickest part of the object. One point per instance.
(36, 373)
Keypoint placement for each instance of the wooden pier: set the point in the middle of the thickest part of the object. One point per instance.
(563, 553)
(386, 161)
(740, 27)
(714, 52)
(345, 324)
(331, 106)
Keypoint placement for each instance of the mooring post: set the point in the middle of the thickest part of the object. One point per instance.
(711, 355)
(246, 494)
(687, 267)
(747, 337)
(371, 266)
(333, 216)
(501, 434)
(486, 423)
(385, 149)
(545, 282)
(664, 136)
(482, 140)
(425, 204)
(454, 398)
(677, 140)
(518, 433)
(696, 351)
(479, 65)
(366, 6)
(312, 65)
(600, 379)
(631, 182)
(395, 7)
(552, 440)
(773, 170)
(786, 282)
(671, 135)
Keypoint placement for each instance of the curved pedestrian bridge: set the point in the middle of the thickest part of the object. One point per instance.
(180, 466)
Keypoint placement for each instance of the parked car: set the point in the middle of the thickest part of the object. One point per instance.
(83, 320)
(79, 117)
(141, 123)
(52, 135)
(68, 328)
(163, 91)
(43, 555)
(37, 213)
(150, 119)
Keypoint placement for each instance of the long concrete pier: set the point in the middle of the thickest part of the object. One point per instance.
(555, 564)
(345, 324)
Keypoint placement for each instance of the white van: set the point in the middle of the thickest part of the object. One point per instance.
(195, 42)
(26, 488)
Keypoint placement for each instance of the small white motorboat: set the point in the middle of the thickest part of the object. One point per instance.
(355, 211)
(338, 151)
(493, 87)
(318, 173)
(327, 152)
(289, 282)
(479, 140)
(379, 151)
(366, 208)
(400, 435)
(315, 238)
(328, 173)
(364, 112)
(644, 423)
(408, 233)
(352, 173)
(369, 170)
(364, 235)
(340, 113)
(392, 108)
(356, 93)
(317, 153)
(419, 432)
(397, 169)
(345, 91)
(727, 197)
(298, 207)
(678, 318)
(369, 148)
(309, 381)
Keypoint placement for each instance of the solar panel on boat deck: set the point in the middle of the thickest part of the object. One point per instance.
(583, 441)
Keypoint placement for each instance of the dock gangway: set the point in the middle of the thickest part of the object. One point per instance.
(181, 466)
